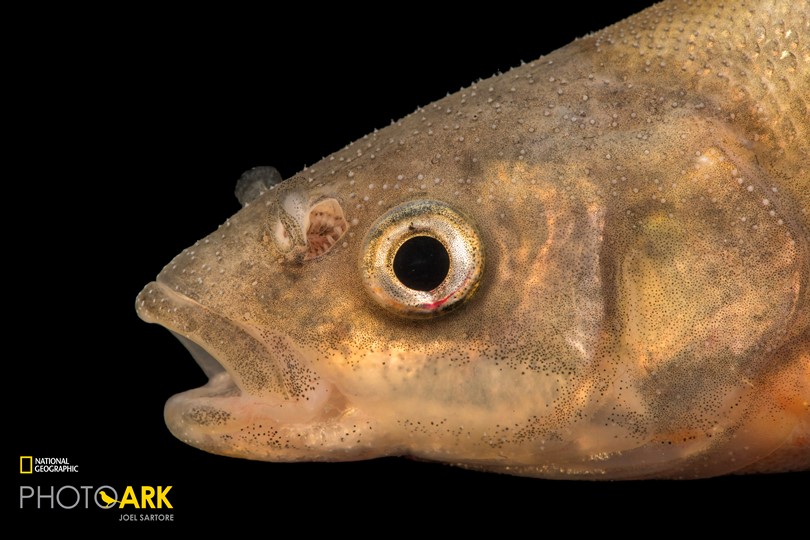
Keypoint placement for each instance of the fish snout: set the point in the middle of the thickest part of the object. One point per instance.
(256, 376)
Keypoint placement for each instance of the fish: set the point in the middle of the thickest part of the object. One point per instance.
(592, 266)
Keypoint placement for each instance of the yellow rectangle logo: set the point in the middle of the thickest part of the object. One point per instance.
(26, 464)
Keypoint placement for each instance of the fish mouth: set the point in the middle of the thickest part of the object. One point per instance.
(260, 389)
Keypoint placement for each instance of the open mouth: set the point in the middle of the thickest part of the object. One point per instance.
(195, 404)
(255, 376)
(210, 365)
(259, 362)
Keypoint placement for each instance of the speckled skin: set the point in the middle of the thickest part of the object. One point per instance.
(642, 197)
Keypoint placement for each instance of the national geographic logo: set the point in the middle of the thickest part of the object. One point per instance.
(31, 464)
(150, 502)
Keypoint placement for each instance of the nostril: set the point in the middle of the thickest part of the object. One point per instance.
(327, 225)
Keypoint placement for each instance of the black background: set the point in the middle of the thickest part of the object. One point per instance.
(132, 135)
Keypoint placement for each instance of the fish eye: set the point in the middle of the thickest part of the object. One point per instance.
(422, 259)
(421, 263)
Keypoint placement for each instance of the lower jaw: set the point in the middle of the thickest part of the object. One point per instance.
(218, 420)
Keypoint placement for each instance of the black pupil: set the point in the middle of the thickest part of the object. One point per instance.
(421, 263)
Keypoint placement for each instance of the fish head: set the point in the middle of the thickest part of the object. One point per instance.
(317, 344)
(592, 280)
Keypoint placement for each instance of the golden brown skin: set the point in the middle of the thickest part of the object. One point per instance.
(628, 221)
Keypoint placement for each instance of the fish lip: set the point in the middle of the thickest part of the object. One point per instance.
(226, 416)
(190, 321)
(158, 303)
